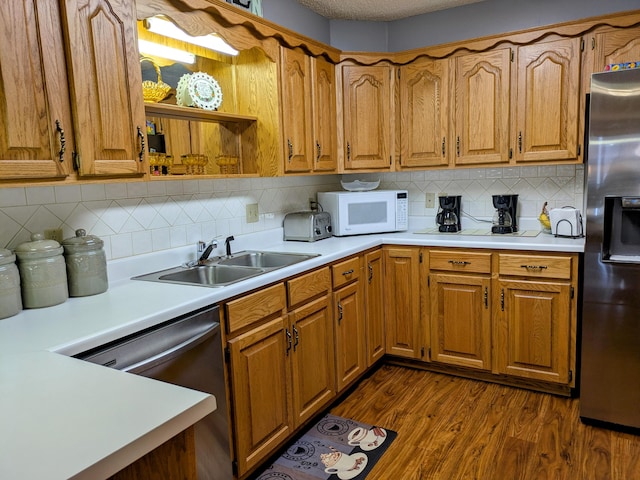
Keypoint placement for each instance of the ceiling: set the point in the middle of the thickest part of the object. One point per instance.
(379, 10)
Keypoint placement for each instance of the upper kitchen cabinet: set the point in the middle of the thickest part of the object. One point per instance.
(615, 46)
(482, 82)
(367, 117)
(36, 138)
(308, 112)
(424, 114)
(105, 79)
(547, 100)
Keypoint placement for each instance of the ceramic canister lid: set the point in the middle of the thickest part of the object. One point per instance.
(38, 247)
(6, 256)
(82, 242)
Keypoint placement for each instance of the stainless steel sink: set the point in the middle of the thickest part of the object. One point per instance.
(203, 275)
(271, 260)
(222, 271)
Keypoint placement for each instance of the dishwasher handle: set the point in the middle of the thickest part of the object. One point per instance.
(172, 352)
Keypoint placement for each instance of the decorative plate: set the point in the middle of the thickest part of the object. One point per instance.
(204, 91)
(182, 91)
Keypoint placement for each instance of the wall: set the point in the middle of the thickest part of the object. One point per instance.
(470, 21)
(141, 217)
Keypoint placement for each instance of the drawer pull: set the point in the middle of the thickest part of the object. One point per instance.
(534, 267)
(348, 272)
(459, 262)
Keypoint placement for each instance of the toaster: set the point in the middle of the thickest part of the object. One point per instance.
(566, 222)
(307, 226)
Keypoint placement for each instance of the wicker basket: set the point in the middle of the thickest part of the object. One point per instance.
(153, 92)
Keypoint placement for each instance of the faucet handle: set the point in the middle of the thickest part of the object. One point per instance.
(200, 247)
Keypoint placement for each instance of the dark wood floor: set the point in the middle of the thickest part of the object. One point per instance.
(453, 428)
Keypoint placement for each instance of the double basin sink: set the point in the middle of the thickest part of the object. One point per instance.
(222, 271)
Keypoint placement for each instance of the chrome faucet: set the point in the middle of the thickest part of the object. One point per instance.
(203, 250)
(227, 244)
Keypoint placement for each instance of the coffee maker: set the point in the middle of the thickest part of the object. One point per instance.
(505, 220)
(448, 218)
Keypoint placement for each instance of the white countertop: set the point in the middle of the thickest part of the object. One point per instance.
(64, 418)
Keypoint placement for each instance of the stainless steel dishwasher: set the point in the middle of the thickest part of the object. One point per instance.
(186, 351)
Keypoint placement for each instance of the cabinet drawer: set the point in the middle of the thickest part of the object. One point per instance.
(345, 272)
(255, 307)
(460, 261)
(539, 266)
(307, 286)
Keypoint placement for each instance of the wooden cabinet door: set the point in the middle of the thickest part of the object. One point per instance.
(424, 113)
(482, 107)
(296, 110)
(548, 101)
(374, 306)
(350, 334)
(461, 320)
(324, 115)
(402, 301)
(106, 86)
(260, 385)
(616, 46)
(534, 334)
(367, 112)
(36, 138)
(312, 355)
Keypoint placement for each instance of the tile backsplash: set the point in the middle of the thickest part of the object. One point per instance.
(142, 217)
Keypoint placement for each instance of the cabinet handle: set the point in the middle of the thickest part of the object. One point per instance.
(534, 267)
(458, 145)
(444, 143)
(63, 141)
(142, 145)
(520, 141)
(348, 151)
(486, 297)
(339, 313)
(459, 262)
(288, 341)
(290, 145)
(318, 151)
(370, 271)
(348, 272)
(297, 338)
(502, 299)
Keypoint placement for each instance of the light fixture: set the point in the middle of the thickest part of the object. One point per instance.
(168, 29)
(157, 50)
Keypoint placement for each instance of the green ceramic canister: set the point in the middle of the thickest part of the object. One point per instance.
(86, 264)
(43, 275)
(10, 296)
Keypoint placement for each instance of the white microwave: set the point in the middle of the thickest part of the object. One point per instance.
(374, 211)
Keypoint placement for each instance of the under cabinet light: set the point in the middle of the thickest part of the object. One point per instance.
(157, 50)
(168, 29)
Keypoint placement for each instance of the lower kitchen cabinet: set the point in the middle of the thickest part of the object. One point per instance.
(460, 308)
(281, 362)
(402, 301)
(535, 338)
(349, 321)
(374, 306)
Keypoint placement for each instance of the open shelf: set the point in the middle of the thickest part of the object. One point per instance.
(195, 114)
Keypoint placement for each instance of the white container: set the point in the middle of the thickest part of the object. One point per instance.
(10, 297)
(43, 274)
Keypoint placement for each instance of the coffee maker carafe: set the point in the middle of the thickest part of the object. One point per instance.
(504, 220)
(448, 218)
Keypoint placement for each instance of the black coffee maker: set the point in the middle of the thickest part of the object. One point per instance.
(505, 220)
(448, 218)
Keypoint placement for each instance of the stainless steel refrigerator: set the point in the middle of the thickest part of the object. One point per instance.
(610, 353)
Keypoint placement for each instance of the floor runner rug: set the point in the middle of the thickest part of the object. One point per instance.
(335, 448)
